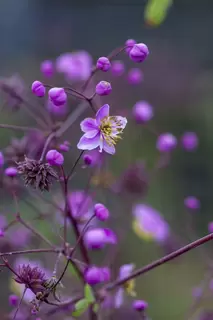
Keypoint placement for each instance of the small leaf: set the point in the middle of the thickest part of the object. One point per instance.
(88, 292)
(71, 268)
(80, 307)
(156, 11)
(95, 307)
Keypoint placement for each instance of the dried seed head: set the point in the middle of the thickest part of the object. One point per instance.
(32, 277)
(37, 174)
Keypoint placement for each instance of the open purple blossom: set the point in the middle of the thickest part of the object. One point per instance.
(149, 224)
(124, 272)
(104, 131)
(97, 238)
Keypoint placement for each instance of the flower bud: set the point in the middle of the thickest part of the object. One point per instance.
(47, 68)
(103, 64)
(11, 172)
(13, 300)
(210, 227)
(38, 88)
(129, 45)
(140, 305)
(117, 68)
(65, 146)
(97, 238)
(95, 275)
(139, 52)
(57, 96)
(142, 112)
(1, 233)
(189, 141)
(101, 212)
(192, 203)
(135, 76)
(166, 142)
(103, 88)
(54, 158)
(87, 160)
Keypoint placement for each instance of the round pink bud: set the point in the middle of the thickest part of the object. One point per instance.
(101, 212)
(140, 305)
(129, 45)
(64, 147)
(135, 76)
(103, 64)
(47, 68)
(117, 68)
(11, 172)
(166, 142)
(103, 88)
(139, 52)
(38, 88)
(54, 158)
(192, 203)
(1, 159)
(13, 300)
(189, 141)
(210, 227)
(142, 112)
(93, 275)
(57, 96)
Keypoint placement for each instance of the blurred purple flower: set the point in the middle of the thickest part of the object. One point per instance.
(76, 66)
(124, 272)
(149, 224)
(97, 238)
(103, 131)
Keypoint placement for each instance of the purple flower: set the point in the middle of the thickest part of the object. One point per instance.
(87, 160)
(149, 224)
(140, 305)
(166, 142)
(57, 96)
(80, 205)
(97, 238)
(54, 158)
(103, 88)
(142, 112)
(103, 64)
(117, 68)
(135, 76)
(192, 203)
(65, 146)
(47, 68)
(11, 172)
(139, 52)
(104, 131)
(95, 275)
(101, 212)
(189, 141)
(38, 88)
(129, 45)
(76, 66)
(124, 272)
(13, 300)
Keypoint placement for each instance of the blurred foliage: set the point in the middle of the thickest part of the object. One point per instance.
(156, 11)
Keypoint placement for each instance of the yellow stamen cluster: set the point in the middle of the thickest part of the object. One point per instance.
(111, 128)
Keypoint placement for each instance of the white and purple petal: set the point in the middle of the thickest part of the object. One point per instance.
(88, 124)
(103, 112)
(89, 143)
(119, 298)
(109, 149)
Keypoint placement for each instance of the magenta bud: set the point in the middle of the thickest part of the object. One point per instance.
(103, 64)
(129, 44)
(139, 52)
(101, 212)
(142, 112)
(13, 300)
(57, 96)
(47, 68)
(192, 203)
(117, 68)
(38, 88)
(166, 142)
(87, 160)
(210, 227)
(1, 233)
(54, 158)
(135, 76)
(140, 305)
(11, 172)
(103, 88)
(189, 141)
(95, 275)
